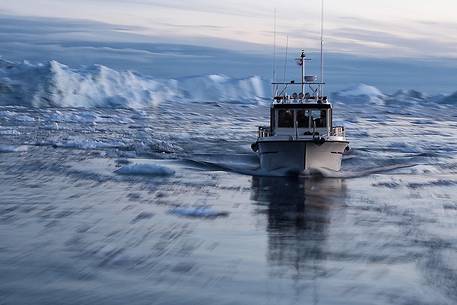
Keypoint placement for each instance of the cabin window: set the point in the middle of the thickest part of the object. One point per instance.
(303, 118)
(285, 119)
(319, 118)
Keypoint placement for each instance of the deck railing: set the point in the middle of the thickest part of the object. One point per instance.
(338, 131)
(264, 131)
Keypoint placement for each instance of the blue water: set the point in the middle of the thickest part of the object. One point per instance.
(187, 228)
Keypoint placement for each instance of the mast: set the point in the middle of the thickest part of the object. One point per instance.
(285, 58)
(274, 53)
(322, 50)
(302, 56)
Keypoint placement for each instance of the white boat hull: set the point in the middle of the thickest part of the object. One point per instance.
(300, 155)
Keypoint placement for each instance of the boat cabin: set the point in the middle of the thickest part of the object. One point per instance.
(299, 119)
(303, 114)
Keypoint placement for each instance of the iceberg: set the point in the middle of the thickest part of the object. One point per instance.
(56, 85)
(361, 93)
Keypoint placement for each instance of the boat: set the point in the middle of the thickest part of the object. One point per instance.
(301, 136)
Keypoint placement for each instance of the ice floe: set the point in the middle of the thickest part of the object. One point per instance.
(197, 212)
(12, 148)
(145, 169)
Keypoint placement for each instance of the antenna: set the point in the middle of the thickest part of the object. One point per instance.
(322, 50)
(274, 54)
(303, 64)
(285, 58)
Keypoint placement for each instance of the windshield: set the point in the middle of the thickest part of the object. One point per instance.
(303, 119)
(312, 118)
(285, 118)
(319, 118)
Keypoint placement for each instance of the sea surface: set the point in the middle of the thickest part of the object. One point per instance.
(153, 206)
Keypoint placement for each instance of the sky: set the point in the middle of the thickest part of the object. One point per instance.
(388, 28)
(391, 44)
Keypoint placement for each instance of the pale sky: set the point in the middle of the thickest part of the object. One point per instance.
(393, 28)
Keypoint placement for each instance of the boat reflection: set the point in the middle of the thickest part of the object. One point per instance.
(298, 215)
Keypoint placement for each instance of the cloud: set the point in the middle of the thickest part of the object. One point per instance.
(233, 7)
(415, 39)
(345, 35)
(242, 25)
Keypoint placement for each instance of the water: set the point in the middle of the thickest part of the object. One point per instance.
(181, 225)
